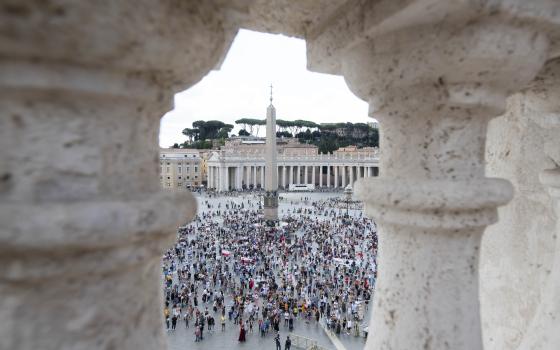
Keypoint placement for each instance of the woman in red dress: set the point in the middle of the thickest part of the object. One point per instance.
(242, 333)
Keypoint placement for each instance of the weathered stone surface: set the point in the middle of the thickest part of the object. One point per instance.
(519, 268)
(83, 223)
(517, 252)
(433, 93)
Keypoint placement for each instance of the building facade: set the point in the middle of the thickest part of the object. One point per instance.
(241, 165)
(180, 168)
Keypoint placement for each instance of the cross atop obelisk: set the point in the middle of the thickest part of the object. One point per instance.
(270, 93)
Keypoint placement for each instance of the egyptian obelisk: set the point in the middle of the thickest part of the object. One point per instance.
(271, 170)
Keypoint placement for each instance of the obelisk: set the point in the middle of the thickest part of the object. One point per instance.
(271, 170)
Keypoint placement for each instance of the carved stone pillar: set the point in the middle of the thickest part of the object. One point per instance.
(83, 222)
(434, 92)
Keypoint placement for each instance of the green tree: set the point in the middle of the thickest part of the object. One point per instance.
(224, 131)
(191, 134)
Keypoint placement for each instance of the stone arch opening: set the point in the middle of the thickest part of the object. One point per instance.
(79, 78)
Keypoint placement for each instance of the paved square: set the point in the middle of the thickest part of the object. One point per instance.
(318, 264)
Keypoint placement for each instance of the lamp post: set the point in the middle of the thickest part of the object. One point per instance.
(348, 194)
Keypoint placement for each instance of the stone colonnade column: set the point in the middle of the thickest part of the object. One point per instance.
(83, 220)
(291, 169)
(335, 176)
(254, 181)
(262, 177)
(434, 92)
(343, 169)
(213, 177)
(351, 181)
(239, 177)
(305, 175)
(313, 175)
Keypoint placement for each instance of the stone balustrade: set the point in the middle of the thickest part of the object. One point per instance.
(83, 222)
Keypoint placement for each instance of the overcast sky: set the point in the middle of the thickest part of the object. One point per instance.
(240, 89)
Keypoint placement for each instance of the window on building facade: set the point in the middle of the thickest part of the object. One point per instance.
(179, 178)
(167, 169)
(179, 184)
(179, 169)
(168, 178)
(196, 169)
(188, 177)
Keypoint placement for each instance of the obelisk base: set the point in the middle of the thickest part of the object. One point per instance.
(271, 208)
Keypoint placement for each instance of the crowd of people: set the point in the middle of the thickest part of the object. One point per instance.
(229, 267)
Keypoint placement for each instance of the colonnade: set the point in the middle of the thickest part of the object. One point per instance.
(237, 177)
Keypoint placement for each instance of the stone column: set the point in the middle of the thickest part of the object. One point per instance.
(351, 176)
(291, 174)
(284, 177)
(213, 177)
(540, 104)
(368, 171)
(225, 173)
(343, 176)
(83, 220)
(313, 175)
(311, 172)
(434, 92)
(214, 174)
(298, 174)
(305, 175)
(239, 177)
(321, 176)
(335, 185)
(262, 176)
(254, 181)
(209, 177)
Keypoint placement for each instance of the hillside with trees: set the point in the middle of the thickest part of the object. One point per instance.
(328, 137)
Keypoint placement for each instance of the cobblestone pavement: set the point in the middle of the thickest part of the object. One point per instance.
(183, 338)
